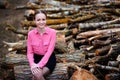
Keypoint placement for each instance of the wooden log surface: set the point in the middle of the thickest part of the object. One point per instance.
(87, 26)
(77, 56)
(88, 34)
(118, 58)
(83, 74)
(102, 51)
(4, 4)
(111, 55)
(65, 17)
(78, 73)
(112, 76)
(83, 18)
(22, 45)
(15, 59)
(49, 22)
(20, 59)
(13, 29)
(114, 63)
(114, 69)
(22, 72)
(58, 28)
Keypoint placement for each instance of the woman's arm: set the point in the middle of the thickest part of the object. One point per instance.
(30, 51)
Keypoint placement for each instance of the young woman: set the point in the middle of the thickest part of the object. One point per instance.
(40, 46)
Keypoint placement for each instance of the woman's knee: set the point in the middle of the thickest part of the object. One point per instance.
(46, 71)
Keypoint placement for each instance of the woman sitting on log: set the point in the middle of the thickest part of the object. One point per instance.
(40, 46)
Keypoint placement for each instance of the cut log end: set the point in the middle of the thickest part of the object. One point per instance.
(83, 74)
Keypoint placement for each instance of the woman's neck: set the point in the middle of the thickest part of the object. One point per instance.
(41, 30)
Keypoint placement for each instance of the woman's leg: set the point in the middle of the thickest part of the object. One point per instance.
(46, 71)
(38, 74)
(33, 78)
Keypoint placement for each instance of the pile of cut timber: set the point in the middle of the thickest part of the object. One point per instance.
(88, 36)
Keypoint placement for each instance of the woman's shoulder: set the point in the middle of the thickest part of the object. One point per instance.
(51, 29)
(32, 31)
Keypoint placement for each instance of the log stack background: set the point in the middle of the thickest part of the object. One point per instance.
(88, 35)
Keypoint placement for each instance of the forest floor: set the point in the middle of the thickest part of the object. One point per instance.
(12, 17)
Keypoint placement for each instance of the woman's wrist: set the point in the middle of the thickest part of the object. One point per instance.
(34, 65)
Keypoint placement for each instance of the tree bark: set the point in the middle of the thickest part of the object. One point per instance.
(112, 76)
(22, 72)
(102, 51)
(88, 34)
(4, 4)
(87, 26)
(83, 18)
(49, 22)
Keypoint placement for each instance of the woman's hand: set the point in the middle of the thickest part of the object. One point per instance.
(34, 66)
(36, 71)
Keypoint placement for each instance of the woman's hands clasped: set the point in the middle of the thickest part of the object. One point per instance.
(36, 71)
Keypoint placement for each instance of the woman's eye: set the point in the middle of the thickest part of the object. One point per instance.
(38, 19)
(43, 19)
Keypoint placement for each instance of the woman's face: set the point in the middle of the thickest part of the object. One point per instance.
(40, 20)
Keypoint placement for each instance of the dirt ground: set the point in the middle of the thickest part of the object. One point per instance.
(12, 17)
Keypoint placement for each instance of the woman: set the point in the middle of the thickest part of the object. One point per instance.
(40, 46)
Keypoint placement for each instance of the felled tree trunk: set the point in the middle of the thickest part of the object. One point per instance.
(102, 51)
(13, 29)
(114, 69)
(114, 63)
(111, 55)
(22, 45)
(13, 59)
(49, 22)
(78, 56)
(101, 36)
(88, 34)
(4, 4)
(112, 76)
(83, 18)
(19, 63)
(87, 26)
(22, 72)
(59, 26)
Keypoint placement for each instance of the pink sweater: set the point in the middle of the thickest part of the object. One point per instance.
(40, 44)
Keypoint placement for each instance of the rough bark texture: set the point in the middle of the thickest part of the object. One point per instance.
(23, 72)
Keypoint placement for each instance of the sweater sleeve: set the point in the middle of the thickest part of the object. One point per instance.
(46, 57)
(30, 50)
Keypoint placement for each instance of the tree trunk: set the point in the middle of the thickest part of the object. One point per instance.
(4, 4)
(22, 72)
(88, 34)
(112, 76)
(49, 22)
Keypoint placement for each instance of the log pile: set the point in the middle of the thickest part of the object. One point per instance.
(88, 36)
(4, 4)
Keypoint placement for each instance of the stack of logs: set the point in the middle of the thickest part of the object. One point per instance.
(88, 36)
(4, 4)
